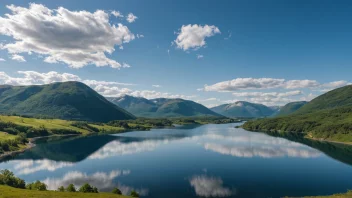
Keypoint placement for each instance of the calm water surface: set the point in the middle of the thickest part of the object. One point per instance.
(193, 161)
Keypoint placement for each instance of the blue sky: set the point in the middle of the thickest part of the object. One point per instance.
(253, 46)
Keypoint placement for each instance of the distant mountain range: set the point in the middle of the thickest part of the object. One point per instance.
(244, 109)
(65, 100)
(161, 107)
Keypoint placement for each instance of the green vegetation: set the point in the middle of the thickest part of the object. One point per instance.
(116, 191)
(37, 185)
(11, 186)
(9, 179)
(244, 109)
(291, 107)
(86, 188)
(134, 194)
(161, 107)
(328, 117)
(10, 192)
(66, 100)
(342, 195)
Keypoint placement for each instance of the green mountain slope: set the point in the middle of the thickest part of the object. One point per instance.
(161, 107)
(291, 107)
(244, 109)
(67, 100)
(328, 116)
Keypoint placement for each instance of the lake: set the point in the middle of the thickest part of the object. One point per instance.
(190, 161)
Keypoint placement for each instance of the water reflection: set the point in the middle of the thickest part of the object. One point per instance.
(206, 186)
(24, 167)
(103, 181)
(164, 161)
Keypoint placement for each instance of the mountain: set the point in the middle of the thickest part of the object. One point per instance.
(244, 109)
(291, 107)
(64, 100)
(161, 107)
(328, 117)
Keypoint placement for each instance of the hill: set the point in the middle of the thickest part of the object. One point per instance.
(64, 100)
(327, 117)
(244, 109)
(162, 107)
(291, 107)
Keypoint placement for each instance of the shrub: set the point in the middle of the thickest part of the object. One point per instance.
(134, 194)
(86, 188)
(116, 191)
(61, 189)
(7, 178)
(71, 188)
(37, 185)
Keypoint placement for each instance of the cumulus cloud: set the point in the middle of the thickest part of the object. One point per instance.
(116, 13)
(193, 36)
(18, 58)
(77, 38)
(206, 186)
(36, 78)
(131, 18)
(2, 60)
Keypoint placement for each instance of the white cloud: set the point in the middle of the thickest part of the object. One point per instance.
(267, 83)
(206, 186)
(193, 36)
(156, 86)
(267, 94)
(77, 38)
(2, 60)
(18, 58)
(199, 56)
(150, 94)
(131, 18)
(116, 13)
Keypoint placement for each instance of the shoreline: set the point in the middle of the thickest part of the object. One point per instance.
(307, 137)
(29, 145)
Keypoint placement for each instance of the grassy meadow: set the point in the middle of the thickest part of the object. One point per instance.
(10, 192)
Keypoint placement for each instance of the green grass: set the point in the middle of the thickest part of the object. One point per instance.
(5, 136)
(7, 192)
(342, 195)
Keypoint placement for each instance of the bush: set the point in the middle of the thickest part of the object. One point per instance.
(8, 178)
(86, 188)
(116, 191)
(37, 185)
(71, 188)
(61, 189)
(134, 194)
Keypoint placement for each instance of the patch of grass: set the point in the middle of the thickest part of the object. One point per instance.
(342, 195)
(5, 136)
(7, 192)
